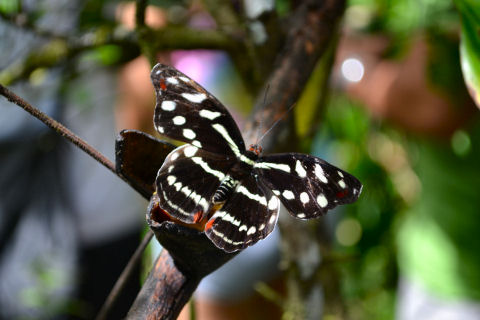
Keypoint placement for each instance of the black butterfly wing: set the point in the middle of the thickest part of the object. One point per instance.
(187, 181)
(185, 111)
(249, 215)
(307, 186)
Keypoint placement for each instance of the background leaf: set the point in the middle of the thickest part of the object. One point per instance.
(470, 46)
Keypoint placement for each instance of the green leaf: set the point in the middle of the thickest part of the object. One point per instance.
(9, 6)
(470, 45)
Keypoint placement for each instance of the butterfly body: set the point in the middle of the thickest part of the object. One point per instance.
(215, 179)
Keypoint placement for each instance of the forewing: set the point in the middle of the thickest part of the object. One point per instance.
(187, 181)
(185, 111)
(249, 215)
(307, 186)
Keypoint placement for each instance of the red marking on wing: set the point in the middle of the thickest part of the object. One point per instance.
(342, 193)
(159, 215)
(198, 217)
(209, 224)
(163, 86)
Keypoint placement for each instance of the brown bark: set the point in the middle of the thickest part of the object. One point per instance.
(165, 292)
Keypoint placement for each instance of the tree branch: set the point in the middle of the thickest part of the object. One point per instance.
(164, 293)
(57, 50)
(312, 28)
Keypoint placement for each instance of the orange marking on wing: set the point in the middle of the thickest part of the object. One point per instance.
(163, 86)
(198, 217)
(209, 224)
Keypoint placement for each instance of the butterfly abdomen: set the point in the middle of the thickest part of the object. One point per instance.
(224, 190)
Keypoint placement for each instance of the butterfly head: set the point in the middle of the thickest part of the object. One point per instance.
(255, 148)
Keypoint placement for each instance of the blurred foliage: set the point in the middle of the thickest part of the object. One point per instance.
(9, 6)
(363, 231)
(382, 158)
(470, 45)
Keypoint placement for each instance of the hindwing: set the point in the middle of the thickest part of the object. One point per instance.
(307, 186)
(249, 215)
(187, 181)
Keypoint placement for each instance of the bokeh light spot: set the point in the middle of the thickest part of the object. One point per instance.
(353, 69)
(461, 143)
(348, 232)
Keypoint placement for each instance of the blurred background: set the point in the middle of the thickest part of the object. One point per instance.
(391, 101)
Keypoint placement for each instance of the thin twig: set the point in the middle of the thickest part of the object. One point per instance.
(122, 280)
(140, 12)
(59, 128)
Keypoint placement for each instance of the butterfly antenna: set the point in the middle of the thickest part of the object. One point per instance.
(276, 122)
(264, 104)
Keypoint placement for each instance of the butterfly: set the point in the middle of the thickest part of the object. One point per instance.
(213, 179)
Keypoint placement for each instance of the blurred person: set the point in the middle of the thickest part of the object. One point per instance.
(438, 249)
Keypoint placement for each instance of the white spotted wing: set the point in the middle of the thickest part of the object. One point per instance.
(307, 186)
(185, 111)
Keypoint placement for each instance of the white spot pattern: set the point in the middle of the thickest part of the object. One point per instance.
(175, 207)
(247, 160)
(168, 105)
(287, 194)
(189, 134)
(194, 97)
(174, 156)
(261, 199)
(196, 143)
(210, 115)
(179, 120)
(320, 174)
(198, 199)
(221, 129)
(231, 219)
(273, 203)
(220, 175)
(171, 180)
(272, 219)
(268, 165)
(172, 80)
(190, 151)
(178, 186)
(322, 201)
(300, 169)
(304, 197)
